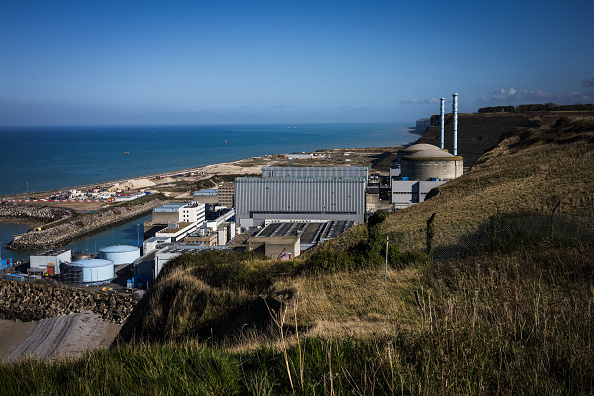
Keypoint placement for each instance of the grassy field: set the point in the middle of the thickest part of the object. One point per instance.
(494, 296)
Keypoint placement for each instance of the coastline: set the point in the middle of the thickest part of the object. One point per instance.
(92, 217)
(245, 166)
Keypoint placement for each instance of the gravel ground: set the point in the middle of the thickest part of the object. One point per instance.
(64, 336)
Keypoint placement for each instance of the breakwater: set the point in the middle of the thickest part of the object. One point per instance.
(70, 229)
(27, 302)
(29, 214)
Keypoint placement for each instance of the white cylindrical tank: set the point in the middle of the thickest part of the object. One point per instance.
(94, 271)
(120, 254)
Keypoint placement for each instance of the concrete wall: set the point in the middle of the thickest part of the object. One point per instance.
(431, 168)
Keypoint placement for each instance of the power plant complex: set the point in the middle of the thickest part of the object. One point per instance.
(286, 211)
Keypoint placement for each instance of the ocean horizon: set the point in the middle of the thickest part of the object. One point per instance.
(41, 158)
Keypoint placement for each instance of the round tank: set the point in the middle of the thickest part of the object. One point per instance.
(433, 163)
(94, 271)
(120, 254)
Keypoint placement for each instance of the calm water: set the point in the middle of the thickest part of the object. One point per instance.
(44, 158)
(125, 234)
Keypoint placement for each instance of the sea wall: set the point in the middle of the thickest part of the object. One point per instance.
(26, 302)
(77, 227)
(30, 214)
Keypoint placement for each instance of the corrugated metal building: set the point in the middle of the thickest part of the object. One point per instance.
(293, 197)
(314, 171)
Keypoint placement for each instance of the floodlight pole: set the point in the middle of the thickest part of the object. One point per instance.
(386, 270)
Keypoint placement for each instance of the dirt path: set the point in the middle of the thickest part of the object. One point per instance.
(62, 336)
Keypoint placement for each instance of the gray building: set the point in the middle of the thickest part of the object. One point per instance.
(298, 193)
(315, 171)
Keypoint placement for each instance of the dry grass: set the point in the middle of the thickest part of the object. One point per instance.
(358, 304)
(523, 174)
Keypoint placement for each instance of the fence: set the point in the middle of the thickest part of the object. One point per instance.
(500, 233)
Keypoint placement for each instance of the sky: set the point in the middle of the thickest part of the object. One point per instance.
(259, 62)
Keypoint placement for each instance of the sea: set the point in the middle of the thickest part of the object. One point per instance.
(50, 157)
(45, 158)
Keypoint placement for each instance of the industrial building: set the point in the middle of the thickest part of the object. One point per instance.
(421, 167)
(206, 196)
(226, 194)
(179, 212)
(301, 193)
(314, 171)
(289, 239)
(50, 262)
(298, 198)
(173, 213)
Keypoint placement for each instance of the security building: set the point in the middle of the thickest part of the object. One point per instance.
(301, 193)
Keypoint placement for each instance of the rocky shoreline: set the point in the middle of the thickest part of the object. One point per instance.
(27, 302)
(63, 227)
(32, 215)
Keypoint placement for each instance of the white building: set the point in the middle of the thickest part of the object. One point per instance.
(193, 212)
(50, 261)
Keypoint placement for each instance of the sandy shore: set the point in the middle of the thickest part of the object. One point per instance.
(246, 166)
(64, 336)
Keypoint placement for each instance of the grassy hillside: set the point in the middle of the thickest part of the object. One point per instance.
(494, 296)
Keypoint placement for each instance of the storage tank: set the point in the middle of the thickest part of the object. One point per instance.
(94, 271)
(120, 254)
(431, 164)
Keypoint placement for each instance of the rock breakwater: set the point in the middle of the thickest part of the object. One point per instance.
(68, 230)
(32, 214)
(27, 302)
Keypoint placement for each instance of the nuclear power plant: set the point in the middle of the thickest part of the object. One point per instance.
(421, 167)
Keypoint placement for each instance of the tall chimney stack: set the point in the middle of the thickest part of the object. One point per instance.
(441, 117)
(455, 111)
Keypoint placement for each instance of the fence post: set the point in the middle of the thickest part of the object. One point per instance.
(552, 218)
(430, 233)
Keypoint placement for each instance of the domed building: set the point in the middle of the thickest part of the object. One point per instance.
(431, 164)
(422, 167)
(414, 149)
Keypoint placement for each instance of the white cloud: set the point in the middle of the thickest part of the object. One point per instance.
(353, 108)
(576, 97)
(513, 95)
(417, 101)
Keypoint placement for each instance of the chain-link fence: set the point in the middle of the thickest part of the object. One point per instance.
(502, 232)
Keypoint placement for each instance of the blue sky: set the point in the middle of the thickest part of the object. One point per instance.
(224, 62)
